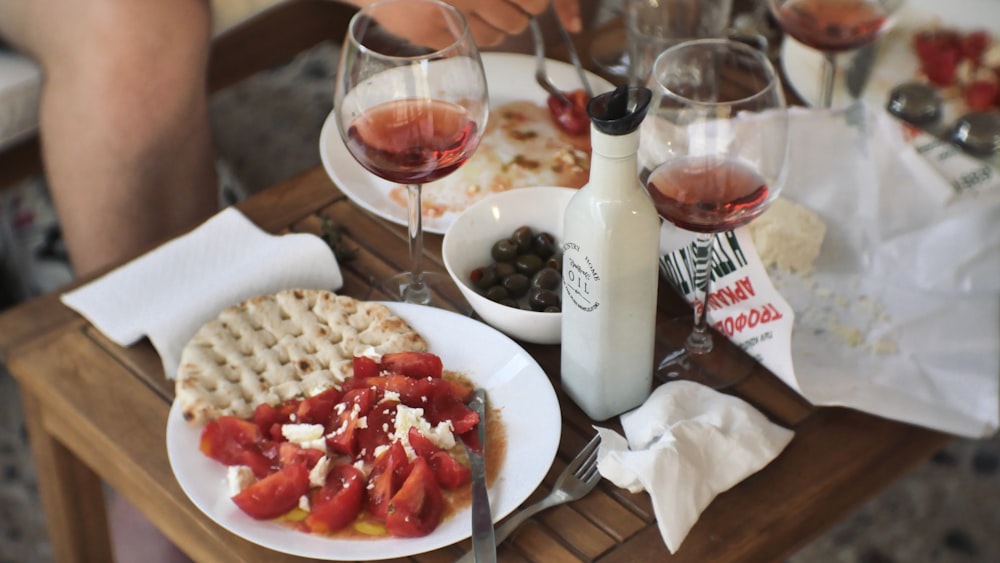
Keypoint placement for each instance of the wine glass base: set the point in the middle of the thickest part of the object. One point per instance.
(400, 287)
(720, 368)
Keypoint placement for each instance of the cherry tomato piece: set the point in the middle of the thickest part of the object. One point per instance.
(338, 502)
(275, 494)
(387, 475)
(234, 441)
(365, 367)
(416, 509)
(413, 364)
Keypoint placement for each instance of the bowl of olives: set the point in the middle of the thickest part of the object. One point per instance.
(505, 254)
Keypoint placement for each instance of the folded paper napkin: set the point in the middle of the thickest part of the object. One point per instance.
(170, 292)
(686, 444)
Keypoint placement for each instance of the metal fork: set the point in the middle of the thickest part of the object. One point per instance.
(541, 74)
(579, 478)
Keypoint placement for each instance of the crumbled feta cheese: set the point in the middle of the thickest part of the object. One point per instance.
(370, 352)
(239, 477)
(378, 450)
(408, 417)
(390, 396)
(317, 475)
(305, 435)
(363, 422)
(304, 502)
(301, 432)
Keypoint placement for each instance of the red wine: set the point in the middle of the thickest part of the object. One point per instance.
(832, 25)
(707, 194)
(413, 141)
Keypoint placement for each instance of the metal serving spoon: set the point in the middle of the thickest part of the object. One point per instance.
(977, 133)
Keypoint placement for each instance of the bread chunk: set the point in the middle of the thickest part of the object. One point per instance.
(272, 348)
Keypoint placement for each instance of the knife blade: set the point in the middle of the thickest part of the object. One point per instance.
(860, 70)
(483, 538)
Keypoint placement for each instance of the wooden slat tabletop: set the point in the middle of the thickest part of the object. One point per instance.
(107, 406)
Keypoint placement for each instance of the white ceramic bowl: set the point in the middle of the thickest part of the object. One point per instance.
(468, 241)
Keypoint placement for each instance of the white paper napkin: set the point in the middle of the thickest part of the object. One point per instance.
(170, 292)
(901, 315)
(686, 444)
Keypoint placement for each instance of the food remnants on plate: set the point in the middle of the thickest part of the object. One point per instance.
(965, 64)
(367, 446)
(523, 146)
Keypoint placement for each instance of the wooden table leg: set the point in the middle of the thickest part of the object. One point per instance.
(72, 494)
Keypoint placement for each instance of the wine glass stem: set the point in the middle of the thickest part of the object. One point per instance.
(700, 339)
(829, 75)
(416, 291)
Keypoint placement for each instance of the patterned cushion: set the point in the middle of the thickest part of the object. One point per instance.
(20, 87)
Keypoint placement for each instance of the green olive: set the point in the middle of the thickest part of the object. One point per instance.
(504, 250)
(523, 238)
(516, 284)
(544, 245)
(528, 264)
(546, 278)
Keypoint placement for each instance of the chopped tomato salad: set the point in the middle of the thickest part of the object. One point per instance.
(966, 61)
(378, 453)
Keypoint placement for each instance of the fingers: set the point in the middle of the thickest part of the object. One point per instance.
(568, 12)
(507, 16)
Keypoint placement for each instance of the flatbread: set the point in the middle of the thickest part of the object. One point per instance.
(272, 348)
(521, 147)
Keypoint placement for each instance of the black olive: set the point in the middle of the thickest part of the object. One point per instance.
(554, 262)
(484, 277)
(544, 245)
(542, 299)
(497, 293)
(546, 278)
(510, 303)
(504, 250)
(528, 264)
(504, 269)
(522, 237)
(516, 284)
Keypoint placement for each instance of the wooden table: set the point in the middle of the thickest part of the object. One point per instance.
(98, 412)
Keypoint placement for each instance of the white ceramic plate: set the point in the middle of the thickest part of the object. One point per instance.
(509, 77)
(895, 61)
(515, 384)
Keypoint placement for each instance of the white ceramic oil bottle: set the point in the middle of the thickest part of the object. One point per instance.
(610, 267)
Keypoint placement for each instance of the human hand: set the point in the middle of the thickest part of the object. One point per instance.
(490, 21)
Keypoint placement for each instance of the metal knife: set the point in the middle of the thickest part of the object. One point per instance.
(860, 70)
(483, 539)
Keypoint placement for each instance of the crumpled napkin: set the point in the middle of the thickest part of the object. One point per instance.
(686, 444)
(168, 293)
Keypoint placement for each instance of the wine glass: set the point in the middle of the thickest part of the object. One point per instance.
(411, 104)
(832, 27)
(715, 147)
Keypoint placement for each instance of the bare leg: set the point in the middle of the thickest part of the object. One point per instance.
(124, 119)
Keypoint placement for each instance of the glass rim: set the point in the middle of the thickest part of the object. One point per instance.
(364, 16)
(773, 82)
